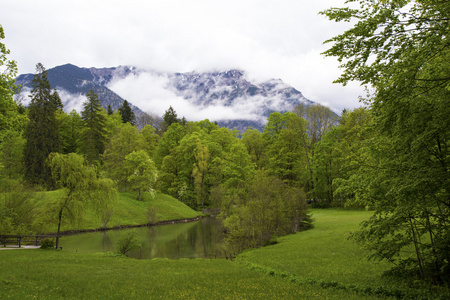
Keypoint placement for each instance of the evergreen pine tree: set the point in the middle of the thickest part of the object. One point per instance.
(110, 111)
(94, 133)
(127, 114)
(42, 133)
(170, 116)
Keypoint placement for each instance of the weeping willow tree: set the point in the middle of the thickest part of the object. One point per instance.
(81, 188)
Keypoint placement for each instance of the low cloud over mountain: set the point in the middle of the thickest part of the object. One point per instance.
(229, 97)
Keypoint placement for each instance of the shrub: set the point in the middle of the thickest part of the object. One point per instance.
(126, 242)
(106, 216)
(152, 216)
(48, 243)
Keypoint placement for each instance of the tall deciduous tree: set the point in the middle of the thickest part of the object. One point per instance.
(269, 209)
(199, 172)
(70, 130)
(11, 156)
(17, 209)
(256, 146)
(150, 138)
(319, 119)
(9, 116)
(401, 48)
(42, 133)
(11, 122)
(120, 145)
(142, 170)
(169, 140)
(94, 132)
(285, 136)
(81, 187)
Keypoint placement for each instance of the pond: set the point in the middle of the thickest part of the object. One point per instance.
(200, 239)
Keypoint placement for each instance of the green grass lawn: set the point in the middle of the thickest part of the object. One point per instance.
(127, 211)
(323, 252)
(29, 274)
(316, 264)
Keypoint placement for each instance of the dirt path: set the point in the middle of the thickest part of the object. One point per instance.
(8, 247)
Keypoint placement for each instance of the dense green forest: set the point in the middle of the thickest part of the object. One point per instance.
(391, 155)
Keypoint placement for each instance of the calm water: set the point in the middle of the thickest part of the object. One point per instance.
(185, 240)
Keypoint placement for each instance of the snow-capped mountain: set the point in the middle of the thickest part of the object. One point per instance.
(229, 97)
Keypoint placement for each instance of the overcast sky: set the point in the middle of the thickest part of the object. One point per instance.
(268, 39)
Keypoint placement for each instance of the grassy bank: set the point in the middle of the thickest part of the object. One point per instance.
(315, 264)
(324, 252)
(127, 211)
(57, 275)
(324, 256)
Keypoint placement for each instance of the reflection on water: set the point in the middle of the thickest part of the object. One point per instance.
(185, 240)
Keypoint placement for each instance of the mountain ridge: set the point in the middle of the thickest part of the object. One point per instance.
(230, 90)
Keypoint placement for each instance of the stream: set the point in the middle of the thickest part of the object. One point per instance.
(200, 239)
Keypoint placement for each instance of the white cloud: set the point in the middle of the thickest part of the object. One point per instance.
(71, 101)
(269, 39)
(150, 92)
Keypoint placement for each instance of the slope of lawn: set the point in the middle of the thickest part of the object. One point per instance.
(326, 257)
(47, 274)
(127, 210)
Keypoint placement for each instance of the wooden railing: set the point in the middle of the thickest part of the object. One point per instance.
(19, 240)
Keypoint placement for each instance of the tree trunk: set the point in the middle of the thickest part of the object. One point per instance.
(416, 247)
(59, 228)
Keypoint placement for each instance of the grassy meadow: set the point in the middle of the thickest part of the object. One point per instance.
(127, 211)
(316, 264)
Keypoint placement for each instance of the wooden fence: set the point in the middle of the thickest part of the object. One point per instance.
(19, 240)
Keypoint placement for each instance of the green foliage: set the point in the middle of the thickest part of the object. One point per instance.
(285, 136)
(70, 131)
(11, 155)
(127, 114)
(124, 142)
(150, 139)
(237, 167)
(169, 140)
(42, 133)
(113, 124)
(270, 209)
(256, 145)
(9, 116)
(338, 155)
(109, 111)
(391, 41)
(199, 172)
(126, 242)
(142, 170)
(94, 131)
(170, 117)
(81, 186)
(17, 210)
(319, 119)
(401, 49)
(48, 243)
(199, 157)
(152, 215)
